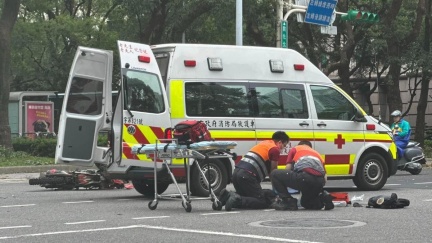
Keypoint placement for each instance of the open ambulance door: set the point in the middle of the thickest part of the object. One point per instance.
(87, 109)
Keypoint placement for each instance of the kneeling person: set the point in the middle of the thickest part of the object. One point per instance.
(307, 176)
(251, 171)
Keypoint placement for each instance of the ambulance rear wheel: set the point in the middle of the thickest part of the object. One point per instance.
(372, 172)
(146, 188)
(217, 175)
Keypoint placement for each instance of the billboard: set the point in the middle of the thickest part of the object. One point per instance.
(39, 116)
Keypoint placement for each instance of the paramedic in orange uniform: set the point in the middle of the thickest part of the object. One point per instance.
(305, 172)
(251, 171)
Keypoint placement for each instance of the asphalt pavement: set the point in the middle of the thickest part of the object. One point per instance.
(24, 170)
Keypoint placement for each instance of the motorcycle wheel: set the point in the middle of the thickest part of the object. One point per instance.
(414, 171)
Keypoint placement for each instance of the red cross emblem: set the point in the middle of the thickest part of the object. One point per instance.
(339, 141)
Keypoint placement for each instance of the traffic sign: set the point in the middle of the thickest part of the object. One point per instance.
(284, 34)
(329, 30)
(320, 12)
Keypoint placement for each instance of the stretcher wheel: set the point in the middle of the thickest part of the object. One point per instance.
(187, 206)
(152, 207)
(217, 205)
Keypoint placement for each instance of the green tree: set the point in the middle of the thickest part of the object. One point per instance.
(401, 30)
(426, 67)
(48, 34)
(8, 18)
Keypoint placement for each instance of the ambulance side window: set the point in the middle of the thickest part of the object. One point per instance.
(85, 97)
(280, 100)
(268, 102)
(214, 99)
(330, 104)
(294, 103)
(144, 92)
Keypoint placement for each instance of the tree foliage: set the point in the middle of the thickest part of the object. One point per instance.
(9, 11)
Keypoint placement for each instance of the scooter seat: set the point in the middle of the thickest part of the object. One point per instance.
(411, 144)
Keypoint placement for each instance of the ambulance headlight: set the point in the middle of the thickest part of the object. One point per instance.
(276, 66)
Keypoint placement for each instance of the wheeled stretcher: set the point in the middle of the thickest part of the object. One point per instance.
(165, 150)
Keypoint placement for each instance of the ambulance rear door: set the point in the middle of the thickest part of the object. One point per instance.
(146, 112)
(87, 108)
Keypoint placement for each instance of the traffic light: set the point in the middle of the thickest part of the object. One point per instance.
(361, 17)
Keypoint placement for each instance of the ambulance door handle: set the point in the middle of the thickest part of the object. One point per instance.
(321, 124)
(304, 124)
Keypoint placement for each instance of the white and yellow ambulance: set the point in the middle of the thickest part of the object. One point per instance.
(242, 93)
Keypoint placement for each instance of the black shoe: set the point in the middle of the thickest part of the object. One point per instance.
(223, 196)
(286, 204)
(234, 201)
(327, 200)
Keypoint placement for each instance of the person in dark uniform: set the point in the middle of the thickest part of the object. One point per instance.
(251, 171)
(305, 172)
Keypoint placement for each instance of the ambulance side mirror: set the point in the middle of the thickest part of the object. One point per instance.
(359, 117)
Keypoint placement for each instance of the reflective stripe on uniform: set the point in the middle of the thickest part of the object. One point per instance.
(255, 165)
(258, 163)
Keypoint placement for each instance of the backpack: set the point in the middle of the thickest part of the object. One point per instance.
(191, 131)
(387, 202)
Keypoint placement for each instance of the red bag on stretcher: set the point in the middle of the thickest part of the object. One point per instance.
(191, 131)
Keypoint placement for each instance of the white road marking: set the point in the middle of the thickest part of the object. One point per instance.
(427, 200)
(260, 237)
(422, 183)
(218, 213)
(268, 210)
(22, 205)
(87, 222)
(392, 184)
(124, 199)
(79, 202)
(15, 227)
(154, 217)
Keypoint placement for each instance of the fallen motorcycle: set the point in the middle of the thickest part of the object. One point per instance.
(88, 179)
(413, 159)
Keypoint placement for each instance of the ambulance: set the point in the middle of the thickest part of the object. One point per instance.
(243, 94)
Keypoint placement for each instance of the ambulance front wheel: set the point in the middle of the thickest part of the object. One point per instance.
(372, 172)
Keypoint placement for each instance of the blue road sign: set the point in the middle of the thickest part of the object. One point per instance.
(320, 12)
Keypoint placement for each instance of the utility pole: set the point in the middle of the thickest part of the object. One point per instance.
(239, 22)
(279, 11)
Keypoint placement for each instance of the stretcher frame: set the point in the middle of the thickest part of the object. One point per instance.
(185, 153)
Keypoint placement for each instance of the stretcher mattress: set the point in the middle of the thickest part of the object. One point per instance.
(199, 146)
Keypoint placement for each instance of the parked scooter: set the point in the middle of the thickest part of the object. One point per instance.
(413, 159)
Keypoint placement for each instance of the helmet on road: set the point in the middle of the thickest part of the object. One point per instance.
(396, 113)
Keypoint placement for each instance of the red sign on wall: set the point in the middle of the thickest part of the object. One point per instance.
(39, 116)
